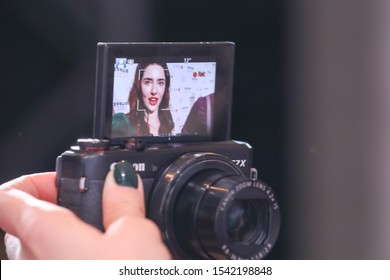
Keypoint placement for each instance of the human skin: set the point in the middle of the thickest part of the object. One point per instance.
(153, 87)
(37, 228)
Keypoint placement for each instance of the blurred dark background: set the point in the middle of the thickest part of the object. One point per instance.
(301, 99)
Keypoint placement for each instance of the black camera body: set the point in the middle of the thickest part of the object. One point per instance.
(169, 172)
(200, 187)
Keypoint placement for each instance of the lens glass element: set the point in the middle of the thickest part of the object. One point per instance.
(247, 221)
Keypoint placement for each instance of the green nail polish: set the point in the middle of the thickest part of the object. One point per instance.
(125, 175)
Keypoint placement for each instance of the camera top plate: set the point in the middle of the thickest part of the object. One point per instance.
(196, 98)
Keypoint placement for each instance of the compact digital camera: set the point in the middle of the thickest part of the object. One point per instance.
(166, 108)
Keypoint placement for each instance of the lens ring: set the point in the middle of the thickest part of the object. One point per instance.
(255, 239)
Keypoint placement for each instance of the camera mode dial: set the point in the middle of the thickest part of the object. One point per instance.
(92, 144)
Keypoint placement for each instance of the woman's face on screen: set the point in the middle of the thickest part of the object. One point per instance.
(153, 86)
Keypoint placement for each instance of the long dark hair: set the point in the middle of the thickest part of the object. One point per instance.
(136, 102)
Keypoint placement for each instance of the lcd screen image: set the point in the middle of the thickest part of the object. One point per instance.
(162, 98)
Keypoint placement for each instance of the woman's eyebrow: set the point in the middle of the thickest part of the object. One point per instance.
(151, 79)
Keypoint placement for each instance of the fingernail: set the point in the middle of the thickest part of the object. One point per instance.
(125, 175)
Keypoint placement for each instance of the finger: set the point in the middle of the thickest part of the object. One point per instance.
(45, 230)
(122, 194)
(40, 185)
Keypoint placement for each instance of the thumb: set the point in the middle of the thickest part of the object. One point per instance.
(123, 194)
(128, 233)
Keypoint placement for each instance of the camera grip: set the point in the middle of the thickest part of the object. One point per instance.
(83, 197)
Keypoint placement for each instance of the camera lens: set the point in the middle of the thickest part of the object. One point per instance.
(247, 221)
(236, 217)
(207, 209)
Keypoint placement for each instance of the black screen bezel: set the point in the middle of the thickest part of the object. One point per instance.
(221, 52)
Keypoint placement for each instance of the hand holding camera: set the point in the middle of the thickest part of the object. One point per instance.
(165, 107)
(37, 228)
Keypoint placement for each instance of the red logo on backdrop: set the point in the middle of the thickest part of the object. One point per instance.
(199, 73)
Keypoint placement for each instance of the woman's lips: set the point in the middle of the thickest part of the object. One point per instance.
(153, 101)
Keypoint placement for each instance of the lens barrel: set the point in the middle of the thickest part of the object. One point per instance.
(207, 209)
